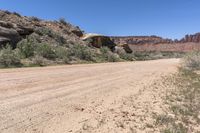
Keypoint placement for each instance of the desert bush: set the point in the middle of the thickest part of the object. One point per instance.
(127, 57)
(45, 50)
(44, 31)
(63, 54)
(9, 57)
(191, 61)
(82, 52)
(39, 61)
(108, 55)
(7, 12)
(26, 48)
(34, 19)
(153, 55)
(17, 14)
(113, 58)
(62, 20)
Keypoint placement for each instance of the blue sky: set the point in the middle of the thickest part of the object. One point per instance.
(166, 18)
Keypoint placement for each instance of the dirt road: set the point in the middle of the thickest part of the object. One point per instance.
(81, 98)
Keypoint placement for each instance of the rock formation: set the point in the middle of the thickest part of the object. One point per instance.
(99, 41)
(191, 38)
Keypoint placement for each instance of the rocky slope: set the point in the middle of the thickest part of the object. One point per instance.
(14, 28)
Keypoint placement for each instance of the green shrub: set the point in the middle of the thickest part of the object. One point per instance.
(108, 55)
(127, 57)
(63, 54)
(46, 51)
(26, 48)
(39, 61)
(104, 50)
(17, 14)
(82, 52)
(44, 31)
(113, 58)
(9, 58)
(62, 20)
(35, 19)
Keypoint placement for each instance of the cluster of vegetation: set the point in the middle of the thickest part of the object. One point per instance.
(183, 100)
(157, 55)
(46, 47)
(9, 57)
(30, 52)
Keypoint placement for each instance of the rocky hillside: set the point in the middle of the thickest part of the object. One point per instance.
(30, 41)
(14, 28)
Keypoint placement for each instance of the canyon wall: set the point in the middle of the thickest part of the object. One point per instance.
(155, 43)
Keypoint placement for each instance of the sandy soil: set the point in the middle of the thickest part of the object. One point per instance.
(110, 97)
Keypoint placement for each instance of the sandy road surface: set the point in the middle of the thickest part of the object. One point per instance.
(77, 98)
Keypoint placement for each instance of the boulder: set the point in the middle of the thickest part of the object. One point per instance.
(99, 41)
(4, 41)
(126, 48)
(119, 50)
(9, 34)
(77, 31)
(23, 31)
(6, 24)
(13, 33)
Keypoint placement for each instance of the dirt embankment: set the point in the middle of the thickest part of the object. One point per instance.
(112, 97)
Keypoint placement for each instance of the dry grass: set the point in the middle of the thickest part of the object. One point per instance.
(183, 103)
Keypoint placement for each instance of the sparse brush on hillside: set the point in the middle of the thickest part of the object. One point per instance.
(191, 61)
(42, 54)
